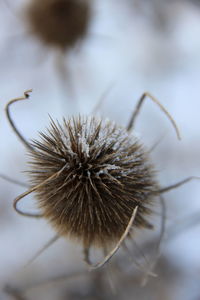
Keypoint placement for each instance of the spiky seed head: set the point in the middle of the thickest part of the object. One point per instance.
(60, 23)
(98, 174)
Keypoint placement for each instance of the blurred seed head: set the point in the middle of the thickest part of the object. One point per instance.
(103, 173)
(59, 23)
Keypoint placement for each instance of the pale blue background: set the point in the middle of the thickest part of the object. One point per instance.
(128, 55)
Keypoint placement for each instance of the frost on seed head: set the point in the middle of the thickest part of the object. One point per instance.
(103, 173)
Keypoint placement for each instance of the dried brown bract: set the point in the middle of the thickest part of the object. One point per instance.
(60, 23)
(98, 173)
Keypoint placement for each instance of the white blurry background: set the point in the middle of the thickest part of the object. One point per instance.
(133, 46)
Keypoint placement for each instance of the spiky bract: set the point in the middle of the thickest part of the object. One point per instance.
(98, 174)
(60, 23)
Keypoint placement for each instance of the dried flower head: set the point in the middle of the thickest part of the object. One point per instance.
(93, 180)
(60, 23)
(95, 173)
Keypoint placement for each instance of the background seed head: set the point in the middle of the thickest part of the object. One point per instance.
(60, 23)
(103, 173)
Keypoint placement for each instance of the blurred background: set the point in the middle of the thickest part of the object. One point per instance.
(129, 47)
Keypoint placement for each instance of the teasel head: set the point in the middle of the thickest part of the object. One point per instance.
(91, 174)
(93, 180)
(58, 23)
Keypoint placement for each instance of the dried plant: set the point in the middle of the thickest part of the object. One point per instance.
(91, 174)
(94, 182)
(60, 23)
(59, 27)
(93, 179)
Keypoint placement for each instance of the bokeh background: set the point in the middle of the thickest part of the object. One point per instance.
(132, 46)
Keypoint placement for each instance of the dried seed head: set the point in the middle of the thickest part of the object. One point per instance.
(59, 23)
(98, 174)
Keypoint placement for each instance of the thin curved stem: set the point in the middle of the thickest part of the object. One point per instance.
(116, 248)
(7, 109)
(139, 266)
(102, 98)
(86, 253)
(65, 76)
(160, 239)
(46, 246)
(137, 110)
(26, 214)
(29, 192)
(14, 181)
(176, 185)
(156, 144)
